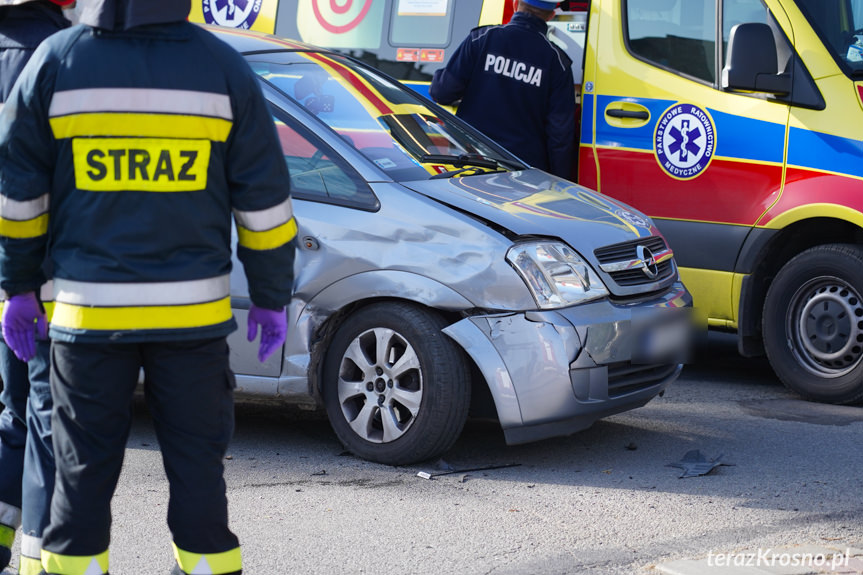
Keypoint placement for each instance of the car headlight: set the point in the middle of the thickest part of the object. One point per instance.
(556, 275)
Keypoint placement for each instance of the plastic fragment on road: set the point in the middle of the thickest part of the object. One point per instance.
(695, 464)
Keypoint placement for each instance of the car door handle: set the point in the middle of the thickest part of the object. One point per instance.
(633, 114)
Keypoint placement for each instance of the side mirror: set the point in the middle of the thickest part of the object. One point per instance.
(752, 64)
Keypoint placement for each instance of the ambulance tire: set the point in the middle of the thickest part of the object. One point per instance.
(813, 324)
(395, 387)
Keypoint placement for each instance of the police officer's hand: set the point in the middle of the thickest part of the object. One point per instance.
(23, 319)
(274, 328)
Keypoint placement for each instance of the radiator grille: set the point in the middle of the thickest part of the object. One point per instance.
(628, 252)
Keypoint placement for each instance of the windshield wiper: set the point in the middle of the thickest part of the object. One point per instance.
(461, 161)
(473, 172)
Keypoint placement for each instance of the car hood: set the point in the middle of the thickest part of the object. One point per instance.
(532, 202)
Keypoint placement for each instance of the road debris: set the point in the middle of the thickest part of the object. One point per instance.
(427, 475)
(695, 463)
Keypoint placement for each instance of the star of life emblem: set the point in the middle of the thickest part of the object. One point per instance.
(685, 141)
(231, 13)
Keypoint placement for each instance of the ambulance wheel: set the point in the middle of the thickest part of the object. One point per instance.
(813, 324)
(396, 389)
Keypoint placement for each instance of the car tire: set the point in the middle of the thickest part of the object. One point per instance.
(813, 324)
(396, 389)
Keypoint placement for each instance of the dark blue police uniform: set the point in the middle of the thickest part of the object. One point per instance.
(516, 87)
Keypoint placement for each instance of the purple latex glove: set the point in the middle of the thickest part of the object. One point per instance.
(23, 319)
(274, 328)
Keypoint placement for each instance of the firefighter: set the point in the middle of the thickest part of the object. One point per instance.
(514, 85)
(26, 454)
(129, 140)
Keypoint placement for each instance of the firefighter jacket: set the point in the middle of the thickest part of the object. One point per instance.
(130, 148)
(516, 87)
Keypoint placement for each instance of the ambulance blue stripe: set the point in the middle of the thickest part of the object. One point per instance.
(587, 119)
(821, 151)
(737, 137)
(748, 139)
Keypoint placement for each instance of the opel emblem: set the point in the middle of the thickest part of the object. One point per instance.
(648, 261)
(633, 219)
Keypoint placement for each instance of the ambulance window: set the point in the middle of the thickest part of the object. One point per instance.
(675, 34)
(736, 12)
(317, 173)
(840, 27)
(421, 23)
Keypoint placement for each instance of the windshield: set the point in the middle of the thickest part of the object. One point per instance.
(839, 23)
(386, 122)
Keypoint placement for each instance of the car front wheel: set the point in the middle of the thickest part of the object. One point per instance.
(813, 324)
(396, 389)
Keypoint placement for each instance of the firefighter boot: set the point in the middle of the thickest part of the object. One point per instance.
(220, 563)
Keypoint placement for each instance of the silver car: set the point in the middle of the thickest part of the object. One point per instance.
(438, 276)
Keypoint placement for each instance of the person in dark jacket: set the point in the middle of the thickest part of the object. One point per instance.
(26, 453)
(130, 140)
(514, 85)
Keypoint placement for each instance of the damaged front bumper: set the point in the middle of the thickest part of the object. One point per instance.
(554, 373)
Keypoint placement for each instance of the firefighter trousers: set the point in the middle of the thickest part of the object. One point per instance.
(188, 387)
(26, 454)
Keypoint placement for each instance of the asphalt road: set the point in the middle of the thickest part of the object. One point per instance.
(601, 501)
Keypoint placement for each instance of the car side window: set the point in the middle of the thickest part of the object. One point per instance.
(676, 34)
(317, 173)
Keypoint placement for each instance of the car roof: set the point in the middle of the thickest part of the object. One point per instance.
(247, 41)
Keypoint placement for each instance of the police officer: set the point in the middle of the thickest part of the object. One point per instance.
(129, 140)
(516, 87)
(26, 454)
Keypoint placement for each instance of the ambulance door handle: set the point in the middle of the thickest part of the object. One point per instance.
(623, 114)
(633, 114)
